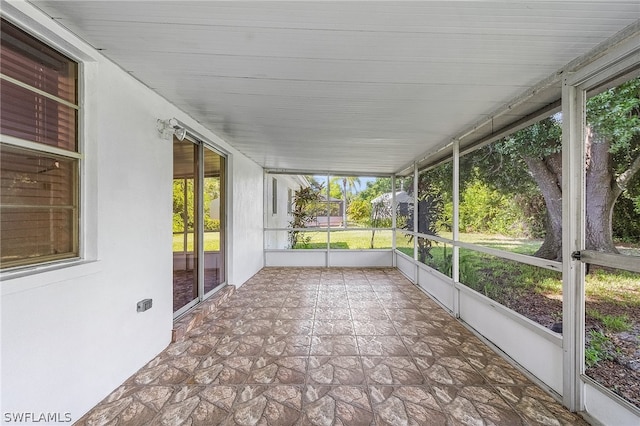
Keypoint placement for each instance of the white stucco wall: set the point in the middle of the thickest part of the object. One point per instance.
(245, 220)
(285, 183)
(281, 219)
(72, 335)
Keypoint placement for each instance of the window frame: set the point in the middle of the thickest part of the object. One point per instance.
(274, 196)
(39, 263)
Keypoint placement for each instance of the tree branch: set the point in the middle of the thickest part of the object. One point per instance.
(544, 177)
(624, 178)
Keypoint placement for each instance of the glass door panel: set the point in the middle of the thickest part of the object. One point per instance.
(214, 220)
(185, 220)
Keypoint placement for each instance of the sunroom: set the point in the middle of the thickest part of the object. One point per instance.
(158, 155)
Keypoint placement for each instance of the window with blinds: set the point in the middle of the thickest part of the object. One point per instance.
(39, 159)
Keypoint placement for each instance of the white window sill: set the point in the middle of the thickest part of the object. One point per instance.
(29, 278)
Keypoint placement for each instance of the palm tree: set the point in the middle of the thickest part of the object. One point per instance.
(348, 183)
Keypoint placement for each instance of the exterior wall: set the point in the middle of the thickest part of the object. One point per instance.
(71, 335)
(278, 239)
(329, 259)
(246, 238)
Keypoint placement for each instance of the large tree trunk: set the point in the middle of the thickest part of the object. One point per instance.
(602, 192)
(547, 173)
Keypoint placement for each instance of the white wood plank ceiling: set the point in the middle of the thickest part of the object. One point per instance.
(362, 87)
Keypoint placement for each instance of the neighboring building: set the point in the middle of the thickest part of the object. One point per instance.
(280, 191)
(382, 205)
(329, 213)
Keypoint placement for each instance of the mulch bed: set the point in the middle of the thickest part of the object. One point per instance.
(621, 374)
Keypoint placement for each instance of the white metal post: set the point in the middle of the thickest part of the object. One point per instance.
(393, 220)
(328, 254)
(415, 222)
(198, 240)
(415, 209)
(265, 222)
(185, 214)
(455, 272)
(573, 219)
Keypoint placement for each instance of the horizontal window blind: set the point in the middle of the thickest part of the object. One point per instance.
(39, 212)
(29, 116)
(28, 60)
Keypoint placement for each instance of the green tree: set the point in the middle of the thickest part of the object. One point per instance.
(438, 180)
(360, 208)
(613, 160)
(335, 191)
(211, 192)
(430, 210)
(184, 204)
(375, 188)
(348, 184)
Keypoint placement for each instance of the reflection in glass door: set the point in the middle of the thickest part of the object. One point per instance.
(214, 272)
(198, 223)
(185, 255)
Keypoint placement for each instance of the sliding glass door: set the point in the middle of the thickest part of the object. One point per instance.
(213, 220)
(198, 223)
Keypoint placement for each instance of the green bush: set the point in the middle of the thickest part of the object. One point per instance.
(626, 219)
(360, 211)
(178, 223)
(486, 210)
(615, 323)
(598, 349)
(211, 224)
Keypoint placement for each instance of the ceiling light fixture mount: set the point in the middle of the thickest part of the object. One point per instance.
(171, 127)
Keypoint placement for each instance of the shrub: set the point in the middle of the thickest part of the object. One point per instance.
(211, 224)
(178, 222)
(305, 201)
(598, 349)
(486, 210)
(614, 323)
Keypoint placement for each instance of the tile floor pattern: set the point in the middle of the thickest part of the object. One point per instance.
(301, 346)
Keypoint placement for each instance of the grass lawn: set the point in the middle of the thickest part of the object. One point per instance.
(479, 270)
(500, 278)
(211, 242)
(353, 240)
(495, 277)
